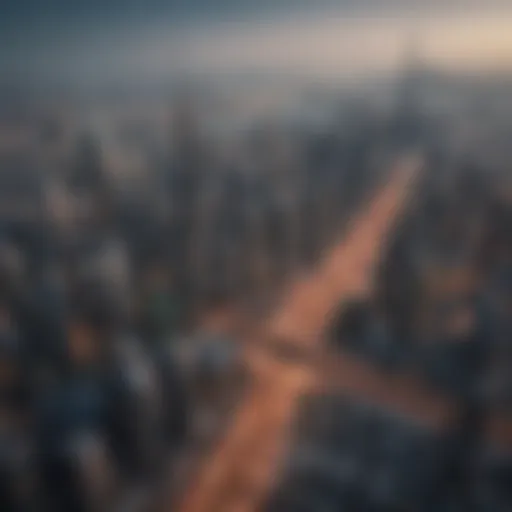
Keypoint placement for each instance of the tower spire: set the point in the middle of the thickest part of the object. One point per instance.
(407, 108)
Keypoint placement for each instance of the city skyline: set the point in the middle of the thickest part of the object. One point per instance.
(326, 41)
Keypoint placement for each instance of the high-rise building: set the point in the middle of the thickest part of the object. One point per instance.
(407, 125)
(184, 178)
(87, 171)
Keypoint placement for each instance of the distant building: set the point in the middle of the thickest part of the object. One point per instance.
(21, 188)
(87, 172)
(407, 126)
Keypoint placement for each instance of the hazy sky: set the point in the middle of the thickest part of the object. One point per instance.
(152, 40)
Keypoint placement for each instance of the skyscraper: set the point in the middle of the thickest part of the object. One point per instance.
(407, 125)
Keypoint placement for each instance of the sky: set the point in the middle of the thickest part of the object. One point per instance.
(151, 41)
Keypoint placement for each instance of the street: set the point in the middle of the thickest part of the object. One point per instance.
(242, 468)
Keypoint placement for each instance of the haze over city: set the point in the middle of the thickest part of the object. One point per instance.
(92, 43)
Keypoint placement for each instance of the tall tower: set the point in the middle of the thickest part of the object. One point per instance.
(88, 172)
(408, 119)
(184, 131)
(186, 172)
